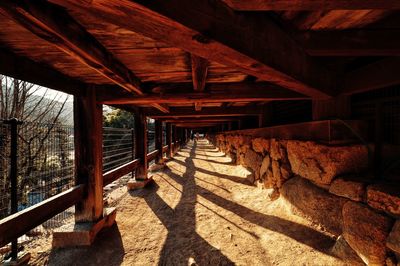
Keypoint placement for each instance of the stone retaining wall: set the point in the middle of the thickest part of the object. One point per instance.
(328, 184)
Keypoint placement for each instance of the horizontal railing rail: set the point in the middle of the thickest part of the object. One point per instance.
(22, 222)
(120, 171)
(165, 148)
(152, 155)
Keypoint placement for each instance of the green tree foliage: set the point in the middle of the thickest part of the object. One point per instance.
(118, 118)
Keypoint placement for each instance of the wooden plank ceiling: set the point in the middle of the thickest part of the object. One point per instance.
(182, 59)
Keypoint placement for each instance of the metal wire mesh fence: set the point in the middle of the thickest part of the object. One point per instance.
(118, 147)
(45, 164)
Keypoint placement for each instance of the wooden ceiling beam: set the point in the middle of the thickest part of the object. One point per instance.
(27, 70)
(196, 125)
(211, 30)
(185, 112)
(54, 25)
(199, 75)
(381, 74)
(200, 120)
(203, 97)
(351, 42)
(293, 5)
(216, 92)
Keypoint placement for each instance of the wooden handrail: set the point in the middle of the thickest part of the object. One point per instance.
(165, 148)
(120, 171)
(152, 155)
(21, 222)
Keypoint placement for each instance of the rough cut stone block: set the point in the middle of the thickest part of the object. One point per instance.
(393, 241)
(353, 190)
(269, 181)
(82, 234)
(321, 163)
(265, 165)
(261, 145)
(253, 161)
(343, 250)
(314, 203)
(384, 197)
(366, 232)
(272, 194)
(278, 149)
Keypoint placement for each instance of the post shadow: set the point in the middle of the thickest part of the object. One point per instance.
(183, 242)
(107, 249)
(233, 178)
(300, 233)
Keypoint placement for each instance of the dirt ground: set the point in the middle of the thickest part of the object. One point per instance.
(200, 211)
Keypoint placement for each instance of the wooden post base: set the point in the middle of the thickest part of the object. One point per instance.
(23, 259)
(135, 184)
(82, 234)
(157, 167)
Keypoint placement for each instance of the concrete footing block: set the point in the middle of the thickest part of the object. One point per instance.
(82, 234)
(141, 183)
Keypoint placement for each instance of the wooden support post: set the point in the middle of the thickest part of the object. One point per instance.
(378, 140)
(159, 141)
(169, 140)
(90, 217)
(141, 145)
(337, 107)
(88, 138)
(265, 117)
(174, 138)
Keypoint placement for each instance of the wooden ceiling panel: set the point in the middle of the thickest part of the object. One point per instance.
(220, 73)
(24, 43)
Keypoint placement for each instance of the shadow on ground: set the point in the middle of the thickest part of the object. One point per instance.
(107, 249)
(183, 245)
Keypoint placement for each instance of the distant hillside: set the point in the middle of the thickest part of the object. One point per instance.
(66, 117)
(35, 105)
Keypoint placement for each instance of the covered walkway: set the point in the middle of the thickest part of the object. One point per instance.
(202, 210)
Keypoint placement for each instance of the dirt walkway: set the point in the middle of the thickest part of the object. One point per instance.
(201, 210)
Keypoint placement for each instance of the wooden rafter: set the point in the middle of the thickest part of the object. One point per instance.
(56, 26)
(202, 97)
(212, 31)
(205, 112)
(217, 92)
(199, 75)
(204, 120)
(263, 5)
(28, 70)
(196, 125)
(351, 43)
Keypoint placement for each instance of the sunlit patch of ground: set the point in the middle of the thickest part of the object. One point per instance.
(201, 210)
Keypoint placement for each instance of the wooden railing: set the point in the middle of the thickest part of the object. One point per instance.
(152, 155)
(120, 171)
(165, 148)
(20, 223)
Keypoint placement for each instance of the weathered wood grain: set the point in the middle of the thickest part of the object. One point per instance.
(211, 30)
(88, 138)
(21, 222)
(264, 5)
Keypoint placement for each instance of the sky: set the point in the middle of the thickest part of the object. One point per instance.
(41, 91)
